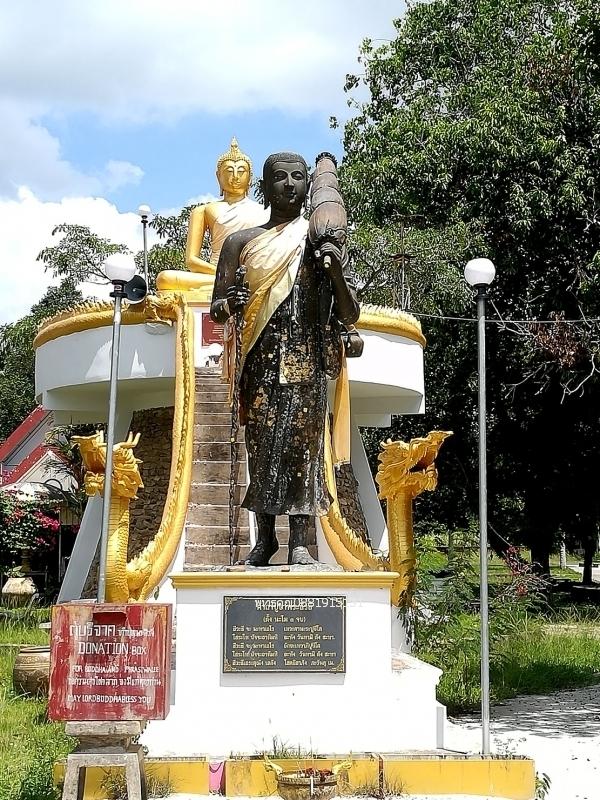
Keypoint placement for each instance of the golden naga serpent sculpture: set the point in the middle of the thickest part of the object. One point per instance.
(405, 470)
(122, 579)
(144, 573)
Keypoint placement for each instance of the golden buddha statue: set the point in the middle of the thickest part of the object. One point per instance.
(221, 217)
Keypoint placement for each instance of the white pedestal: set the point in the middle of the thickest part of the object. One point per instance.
(385, 701)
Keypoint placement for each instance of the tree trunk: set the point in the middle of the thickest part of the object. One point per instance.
(540, 555)
(589, 551)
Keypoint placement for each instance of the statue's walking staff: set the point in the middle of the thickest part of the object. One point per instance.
(238, 319)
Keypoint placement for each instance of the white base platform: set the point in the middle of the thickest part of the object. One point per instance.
(385, 701)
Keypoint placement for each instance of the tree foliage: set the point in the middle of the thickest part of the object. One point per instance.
(485, 114)
(169, 252)
(17, 358)
(79, 254)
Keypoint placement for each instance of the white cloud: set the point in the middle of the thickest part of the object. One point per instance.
(30, 156)
(145, 59)
(139, 62)
(26, 227)
(121, 173)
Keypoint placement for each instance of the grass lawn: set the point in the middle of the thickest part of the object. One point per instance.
(541, 658)
(498, 572)
(537, 648)
(29, 743)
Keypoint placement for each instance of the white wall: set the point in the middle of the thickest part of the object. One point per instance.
(372, 707)
(72, 372)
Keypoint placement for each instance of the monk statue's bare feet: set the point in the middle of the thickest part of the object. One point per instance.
(261, 553)
(300, 555)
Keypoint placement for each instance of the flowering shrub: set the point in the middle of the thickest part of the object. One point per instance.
(524, 582)
(30, 525)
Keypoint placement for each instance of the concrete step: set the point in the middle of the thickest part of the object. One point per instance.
(217, 451)
(214, 493)
(215, 433)
(217, 472)
(214, 534)
(219, 534)
(213, 555)
(217, 515)
(212, 418)
(211, 383)
(212, 394)
(214, 406)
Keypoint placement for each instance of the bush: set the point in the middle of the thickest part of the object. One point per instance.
(26, 525)
(527, 655)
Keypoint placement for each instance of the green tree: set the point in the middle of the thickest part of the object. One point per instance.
(486, 114)
(169, 252)
(79, 254)
(17, 358)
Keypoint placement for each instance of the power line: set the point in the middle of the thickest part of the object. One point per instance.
(582, 321)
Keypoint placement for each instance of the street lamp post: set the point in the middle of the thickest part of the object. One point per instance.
(479, 273)
(145, 212)
(119, 269)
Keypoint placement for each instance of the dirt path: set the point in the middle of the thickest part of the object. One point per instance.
(561, 732)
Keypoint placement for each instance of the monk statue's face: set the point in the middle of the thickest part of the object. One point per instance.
(285, 188)
(234, 178)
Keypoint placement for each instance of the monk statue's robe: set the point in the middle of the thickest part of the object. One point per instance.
(290, 347)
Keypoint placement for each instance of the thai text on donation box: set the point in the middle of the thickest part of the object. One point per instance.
(110, 662)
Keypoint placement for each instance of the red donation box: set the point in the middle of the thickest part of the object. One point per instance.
(110, 662)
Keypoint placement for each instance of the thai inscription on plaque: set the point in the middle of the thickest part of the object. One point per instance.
(284, 634)
(212, 332)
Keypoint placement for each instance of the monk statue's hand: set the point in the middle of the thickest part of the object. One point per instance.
(219, 311)
(330, 257)
(237, 297)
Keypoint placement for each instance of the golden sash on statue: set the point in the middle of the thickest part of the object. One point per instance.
(272, 260)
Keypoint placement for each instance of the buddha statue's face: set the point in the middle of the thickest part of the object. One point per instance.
(234, 178)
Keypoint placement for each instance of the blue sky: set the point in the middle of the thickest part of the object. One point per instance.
(106, 104)
(178, 160)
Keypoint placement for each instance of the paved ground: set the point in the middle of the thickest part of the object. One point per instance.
(561, 732)
(595, 571)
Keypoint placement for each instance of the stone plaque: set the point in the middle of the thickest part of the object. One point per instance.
(284, 634)
(212, 332)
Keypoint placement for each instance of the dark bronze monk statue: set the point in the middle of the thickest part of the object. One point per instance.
(293, 306)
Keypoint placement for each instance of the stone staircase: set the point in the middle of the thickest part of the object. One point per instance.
(207, 525)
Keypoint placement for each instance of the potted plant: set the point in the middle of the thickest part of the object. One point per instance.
(307, 782)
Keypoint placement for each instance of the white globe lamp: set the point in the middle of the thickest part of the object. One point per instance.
(479, 272)
(119, 268)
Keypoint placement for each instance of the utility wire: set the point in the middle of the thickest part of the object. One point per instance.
(509, 321)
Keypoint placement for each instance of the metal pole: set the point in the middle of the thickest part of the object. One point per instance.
(144, 226)
(483, 538)
(110, 440)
